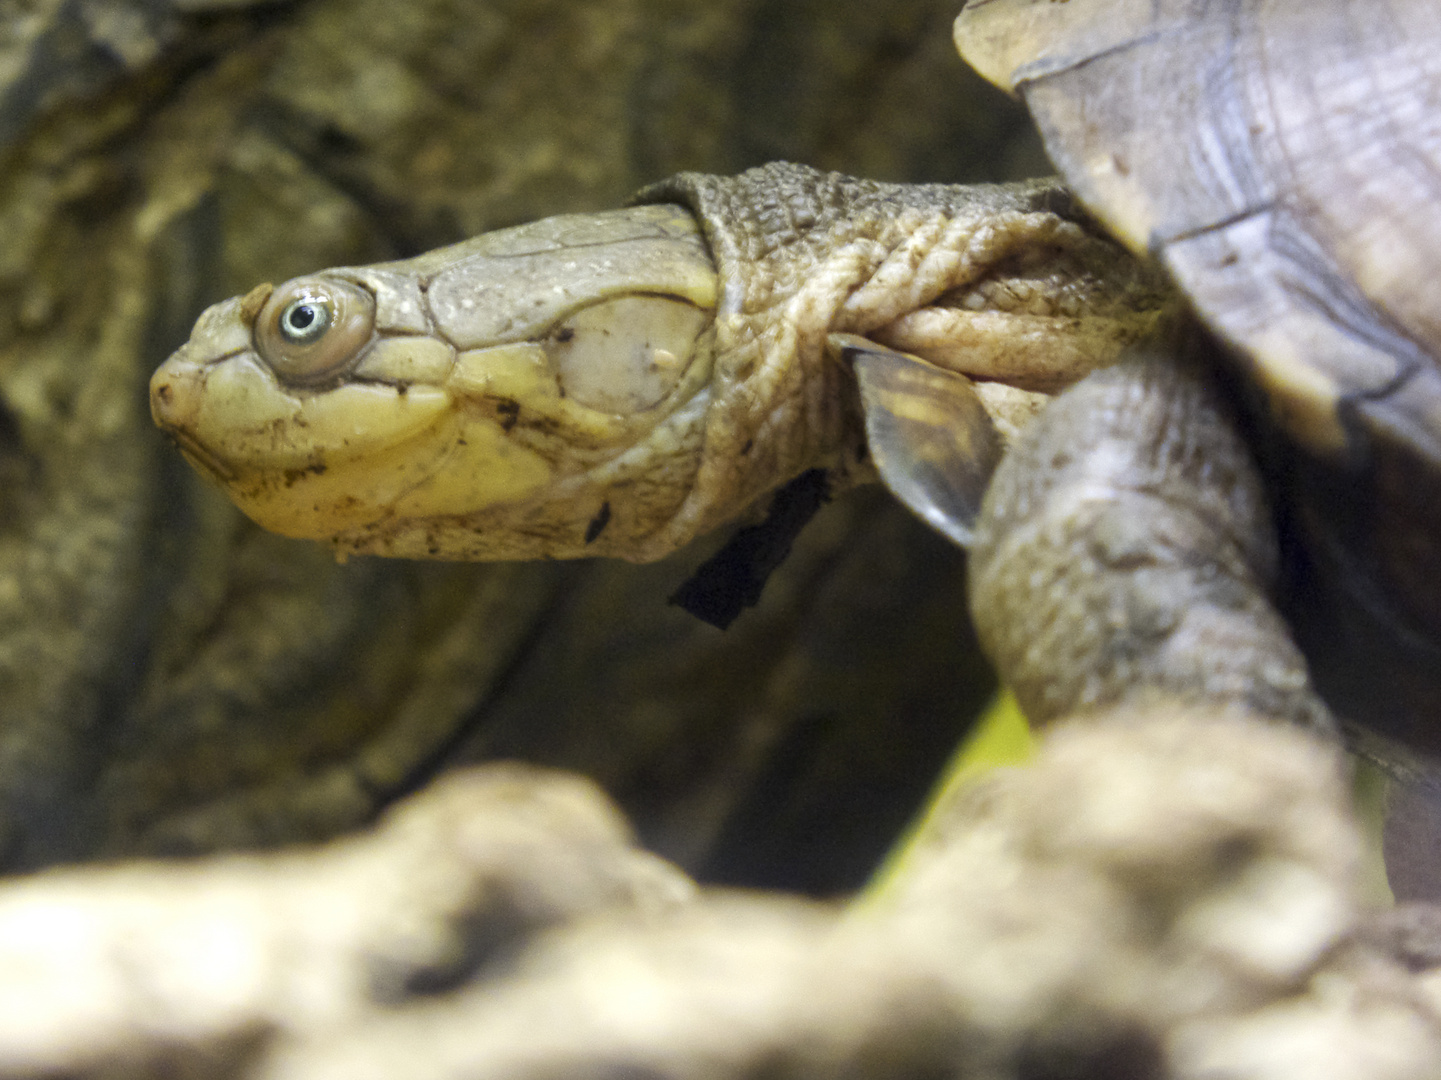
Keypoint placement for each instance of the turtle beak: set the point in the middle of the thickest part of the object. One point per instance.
(177, 387)
(172, 398)
(175, 391)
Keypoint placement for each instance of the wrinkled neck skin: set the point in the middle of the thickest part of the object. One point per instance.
(1005, 283)
(1008, 283)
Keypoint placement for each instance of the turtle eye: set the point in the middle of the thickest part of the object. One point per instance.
(311, 329)
(305, 320)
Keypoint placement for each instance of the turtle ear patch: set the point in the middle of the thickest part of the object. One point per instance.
(624, 355)
(930, 436)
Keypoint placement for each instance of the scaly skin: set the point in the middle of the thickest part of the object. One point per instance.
(1125, 556)
(1009, 284)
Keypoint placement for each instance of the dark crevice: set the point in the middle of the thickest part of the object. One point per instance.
(466, 730)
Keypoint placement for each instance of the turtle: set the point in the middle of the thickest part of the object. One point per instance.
(618, 384)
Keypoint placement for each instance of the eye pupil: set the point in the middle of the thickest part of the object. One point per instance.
(304, 321)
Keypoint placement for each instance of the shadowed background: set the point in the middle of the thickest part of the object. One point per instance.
(172, 680)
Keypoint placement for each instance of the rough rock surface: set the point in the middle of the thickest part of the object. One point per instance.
(1158, 896)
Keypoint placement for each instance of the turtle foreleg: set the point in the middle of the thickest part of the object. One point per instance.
(1126, 552)
(1123, 560)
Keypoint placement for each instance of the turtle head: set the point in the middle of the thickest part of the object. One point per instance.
(386, 407)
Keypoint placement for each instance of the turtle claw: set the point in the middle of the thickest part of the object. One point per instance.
(929, 434)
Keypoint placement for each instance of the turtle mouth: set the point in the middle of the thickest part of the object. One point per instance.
(205, 462)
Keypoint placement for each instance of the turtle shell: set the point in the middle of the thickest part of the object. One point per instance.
(1282, 158)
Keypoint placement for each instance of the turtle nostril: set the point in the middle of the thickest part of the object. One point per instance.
(162, 397)
(167, 403)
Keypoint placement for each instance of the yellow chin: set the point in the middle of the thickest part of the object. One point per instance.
(313, 465)
(451, 470)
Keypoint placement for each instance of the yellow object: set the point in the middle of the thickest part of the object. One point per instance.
(1002, 737)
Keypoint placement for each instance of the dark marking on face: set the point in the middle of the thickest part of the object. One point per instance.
(598, 523)
(508, 411)
(294, 476)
